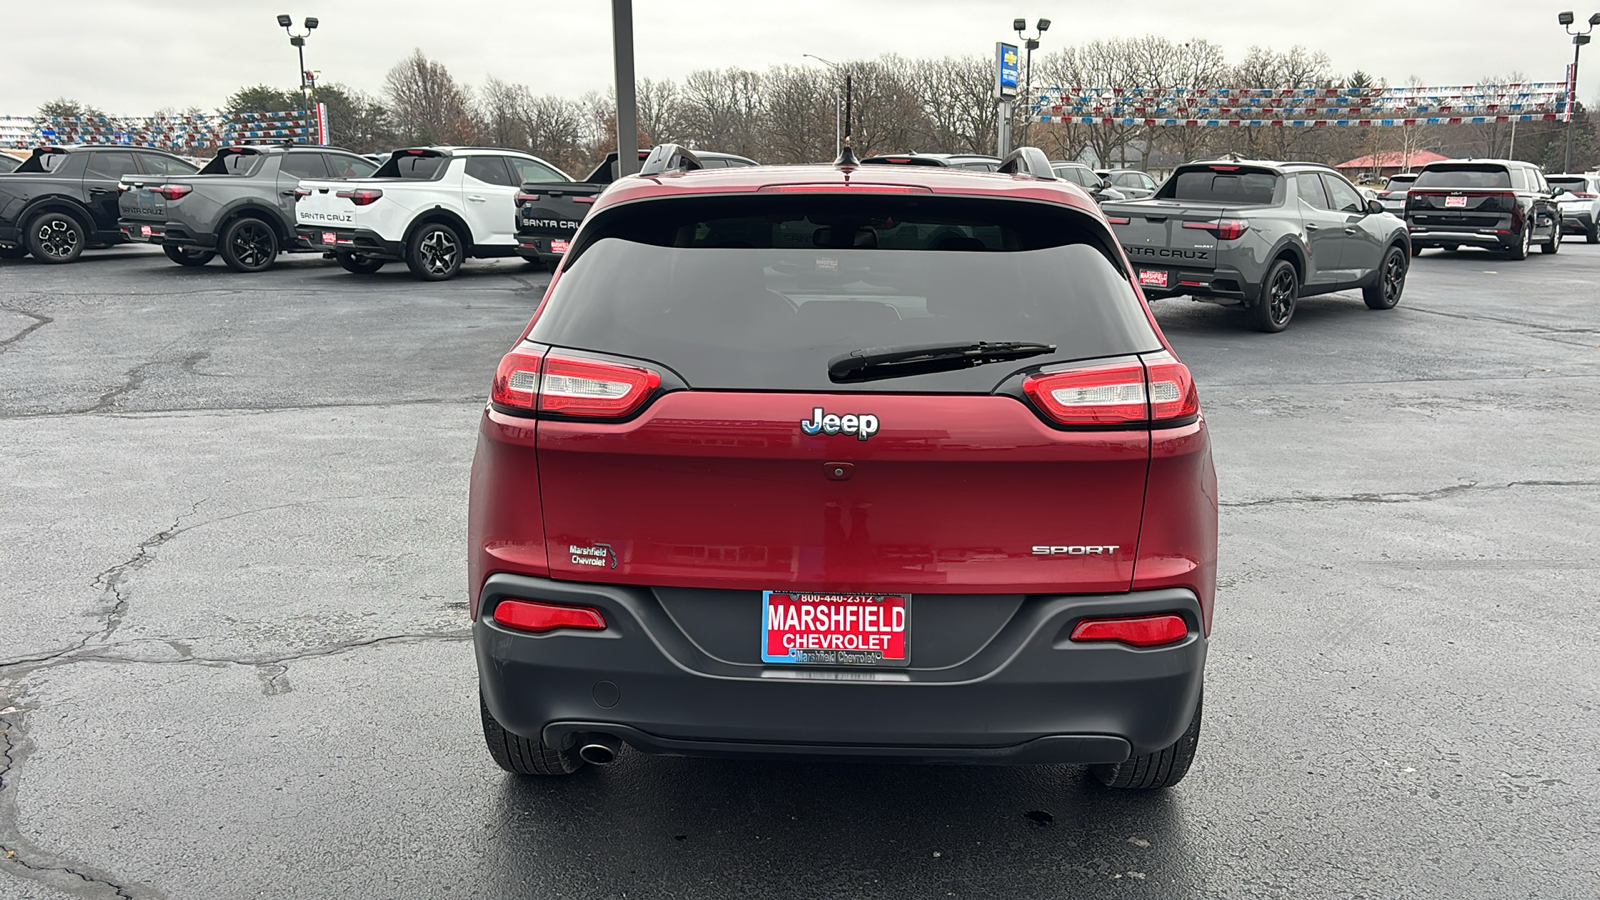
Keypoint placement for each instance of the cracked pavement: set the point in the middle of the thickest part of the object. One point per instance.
(234, 658)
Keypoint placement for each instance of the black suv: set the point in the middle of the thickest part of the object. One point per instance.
(1496, 204)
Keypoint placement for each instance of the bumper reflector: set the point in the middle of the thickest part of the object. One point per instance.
(1140, 631)
(525, 615)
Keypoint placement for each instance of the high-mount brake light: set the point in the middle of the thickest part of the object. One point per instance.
(1224, 168)
(1100, 395)
(516, 380)
(582, 387)
(1224, 229)
(1137, 631)
(174, 191)
(1159, 392)
(360, 196)
(845, 189)
(538, 618)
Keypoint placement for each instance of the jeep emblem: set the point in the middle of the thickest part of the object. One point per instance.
(861, 426)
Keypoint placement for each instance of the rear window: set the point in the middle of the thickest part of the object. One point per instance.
(233, 162)
(1464, 176)
(1400, 184)
(1571, 184)
(419, 164)
(760, 293)
(1223, 185)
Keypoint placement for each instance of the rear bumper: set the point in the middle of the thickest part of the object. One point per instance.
(540, 249)
(1474, 237)
(349, 240)
(1028, 696)
(169, 234)
(1575, 222)
(1223, 283)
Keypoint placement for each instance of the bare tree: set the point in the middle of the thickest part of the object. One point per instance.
(429, 106)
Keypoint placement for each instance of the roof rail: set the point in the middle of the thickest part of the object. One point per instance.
(1027, 161)
(670, 158)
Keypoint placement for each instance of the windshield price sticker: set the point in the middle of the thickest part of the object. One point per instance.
(1153, 277)
(834, 629)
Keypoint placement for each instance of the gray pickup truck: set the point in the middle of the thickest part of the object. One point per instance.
(241, 205)
(1262, 235)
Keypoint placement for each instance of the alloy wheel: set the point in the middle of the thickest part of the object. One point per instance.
(252, 245)
(439, 252)
(57, 238)
(1394, 277)
(1282, 296)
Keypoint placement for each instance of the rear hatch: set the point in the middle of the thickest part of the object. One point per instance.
(548, 213)
(1462, 195)
(1195, 210)
(714, 414)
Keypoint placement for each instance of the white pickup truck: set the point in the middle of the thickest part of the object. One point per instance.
(431, 207)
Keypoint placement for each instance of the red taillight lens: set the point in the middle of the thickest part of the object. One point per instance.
(174, 191)
(1224, 229)
(1139, 631)
(1172, 391)
(581, 387)
(1117, 220)
(527, 198)
(361, 196)
(301, 192)
(525, 615)
(1159, 392)
(516, 381)
(1103, 395)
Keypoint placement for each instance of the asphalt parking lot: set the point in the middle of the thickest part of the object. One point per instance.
(234, 657)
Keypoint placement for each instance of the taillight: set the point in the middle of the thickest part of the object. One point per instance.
(581, 387)
(1173, 395)
(516, 381)
(301, 192)
(1159, 392)
(1102, 395)
(1117, 220)
(538, 618)
(174, 191)
(527, 198)
(360, 196)
(1138, 631)
(1224, 229)
(1584, 195)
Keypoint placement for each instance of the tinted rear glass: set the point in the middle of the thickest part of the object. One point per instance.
(1571, 184)
(1400, 184)
(1464, 176)
(1218, 186)
(413, 165)
(760, 293)
(230, 162)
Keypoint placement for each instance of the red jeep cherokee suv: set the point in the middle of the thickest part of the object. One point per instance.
(850, 462)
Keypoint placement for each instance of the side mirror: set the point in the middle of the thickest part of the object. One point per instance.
(1105, 183)
(1374, 207)
(1557, 191)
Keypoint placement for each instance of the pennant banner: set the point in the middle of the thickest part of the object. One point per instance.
(1478, 104)
(181, 132)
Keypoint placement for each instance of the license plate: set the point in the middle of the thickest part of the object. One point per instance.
(559, 246)
(329, 237)
(835, 629)
(1455, 203)
(1152, 278)
(144, 231)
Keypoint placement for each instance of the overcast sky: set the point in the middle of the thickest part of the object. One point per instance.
(131, 57)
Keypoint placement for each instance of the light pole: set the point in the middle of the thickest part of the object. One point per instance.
(308, 87)
(1579, 38)
(1030, 44)
(838, 130)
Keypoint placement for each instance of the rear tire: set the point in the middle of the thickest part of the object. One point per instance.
(55, 238)
(1524, 241)
(520, 755)
(1554, 244)
(1280, 293)
(186, 257)
(1385, 292)
(434, 252)
(358, 263)
(1592, 235)
(249, 245)
(1153, 771)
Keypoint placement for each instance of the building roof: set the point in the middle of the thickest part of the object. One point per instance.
(1392, 160)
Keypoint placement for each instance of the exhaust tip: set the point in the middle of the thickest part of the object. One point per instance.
(599, 749)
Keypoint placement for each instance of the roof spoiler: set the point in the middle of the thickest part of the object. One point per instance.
(1027, 161)
(670, 158)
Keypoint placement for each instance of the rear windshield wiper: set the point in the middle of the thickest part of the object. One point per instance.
(871, 363)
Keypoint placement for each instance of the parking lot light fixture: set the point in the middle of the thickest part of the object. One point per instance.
(1029, 44)
(1579, 38)
(838, 101)
(308, 87)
